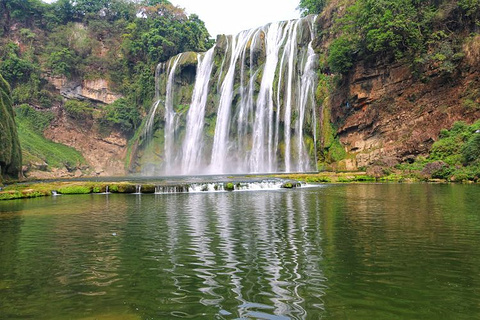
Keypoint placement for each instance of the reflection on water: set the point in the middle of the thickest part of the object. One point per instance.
(336, 252)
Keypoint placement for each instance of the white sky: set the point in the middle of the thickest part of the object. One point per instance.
(233, 16)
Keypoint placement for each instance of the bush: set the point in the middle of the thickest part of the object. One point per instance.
(471, 150)
(437, 170)
(123, 114)
(78, 109)
(37, 120)
(341, 54)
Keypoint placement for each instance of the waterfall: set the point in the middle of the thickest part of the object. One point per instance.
(193, 143)
(170, 118)
(250, 104)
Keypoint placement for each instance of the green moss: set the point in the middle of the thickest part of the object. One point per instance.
(229, 186)
(76, 189)
(148, 188)
(21, 195)
(10, 152)
(37, 149)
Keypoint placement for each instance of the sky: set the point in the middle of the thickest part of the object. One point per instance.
(233, 16)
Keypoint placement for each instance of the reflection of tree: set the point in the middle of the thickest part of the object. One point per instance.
(10, 226)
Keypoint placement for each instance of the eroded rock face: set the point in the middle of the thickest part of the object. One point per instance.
(105, 154)
(96, 90)
(386, 115)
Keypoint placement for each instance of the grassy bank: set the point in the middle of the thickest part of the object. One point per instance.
(42, 189)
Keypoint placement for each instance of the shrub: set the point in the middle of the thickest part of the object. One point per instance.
(78, 109)
(471, 150)
(123, 114)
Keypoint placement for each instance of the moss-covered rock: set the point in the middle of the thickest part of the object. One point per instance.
(10, 152)
(229, 186)
(147, 188)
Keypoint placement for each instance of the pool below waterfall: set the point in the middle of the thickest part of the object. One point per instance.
(357, 251)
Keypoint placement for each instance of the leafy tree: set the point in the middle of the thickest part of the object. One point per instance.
(62, 62)
(14, 68)
(471, 150)
(124, 114)
(391, 28)
(311, 6)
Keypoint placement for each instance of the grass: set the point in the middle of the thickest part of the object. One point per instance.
(37, 149)
(76, 189)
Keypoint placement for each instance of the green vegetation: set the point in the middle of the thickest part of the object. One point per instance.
(75, 189)
(311, 6)
(418, 32)
(10, 153)
(79, 109)
(36, 149)
(123, 114)
(454, 157)
(121, 41)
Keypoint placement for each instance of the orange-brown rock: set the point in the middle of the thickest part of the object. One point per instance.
(386, 115)
(105, 154)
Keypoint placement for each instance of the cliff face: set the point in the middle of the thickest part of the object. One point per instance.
(387, 112)
(10, 152)
(97, 90)
(104, 153)
(386, 115)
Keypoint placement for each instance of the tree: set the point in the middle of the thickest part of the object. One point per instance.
(311, 6)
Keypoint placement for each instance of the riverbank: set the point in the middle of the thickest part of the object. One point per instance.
(33, 189)
(137, 185)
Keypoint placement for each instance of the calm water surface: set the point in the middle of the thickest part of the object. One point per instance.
(330, 252)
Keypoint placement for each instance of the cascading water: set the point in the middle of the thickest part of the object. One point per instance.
(250, 105)
(193, 143)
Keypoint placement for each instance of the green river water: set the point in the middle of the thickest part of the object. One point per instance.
(359, 251)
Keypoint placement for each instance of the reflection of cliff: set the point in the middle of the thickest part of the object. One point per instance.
(397, 244)
(10, 233)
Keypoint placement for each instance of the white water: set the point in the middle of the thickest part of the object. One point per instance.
(193, 143)
(170, 118)
(221, 187)
(263, 94)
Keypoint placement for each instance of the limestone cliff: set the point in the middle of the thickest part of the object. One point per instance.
(97, 90)
(386, 112)
(385, 115)
(104, 153)
(10, 153)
